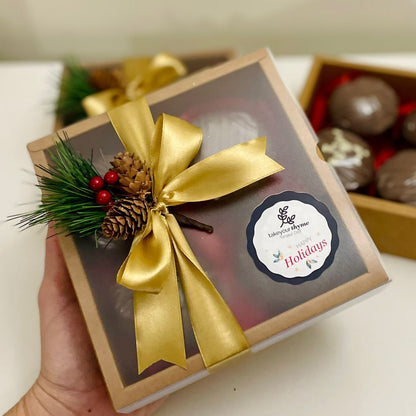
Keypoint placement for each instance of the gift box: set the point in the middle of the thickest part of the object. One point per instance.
(109, 75)
(284, 251)
(392, 225)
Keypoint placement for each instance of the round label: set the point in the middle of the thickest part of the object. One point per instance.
(292, 237)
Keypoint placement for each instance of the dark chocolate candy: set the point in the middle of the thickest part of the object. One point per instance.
(349, 155)
(409, 128)
(366, 106)
(396, 179)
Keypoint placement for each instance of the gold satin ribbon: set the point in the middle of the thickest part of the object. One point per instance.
(161, 254)
(141, 75)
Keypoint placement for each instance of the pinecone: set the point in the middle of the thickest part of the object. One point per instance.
(126, 217)
(103, 79)
(134, 176)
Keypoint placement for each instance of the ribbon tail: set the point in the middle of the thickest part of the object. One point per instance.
(158, 325)
(150, 271)
(217, 332)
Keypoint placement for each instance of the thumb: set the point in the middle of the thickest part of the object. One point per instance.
(56, 288)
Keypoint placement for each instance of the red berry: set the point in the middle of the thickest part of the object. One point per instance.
(111, 177)
(96, 183)
(103, 197)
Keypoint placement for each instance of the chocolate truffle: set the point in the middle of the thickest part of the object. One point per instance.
(349, 155)
(365, 105)
(396, 179)
(409, 128)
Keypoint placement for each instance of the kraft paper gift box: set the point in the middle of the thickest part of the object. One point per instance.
(392, 225)
(193, 62)
(284, 250)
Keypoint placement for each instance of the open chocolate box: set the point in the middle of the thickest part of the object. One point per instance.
(284, 251)
(392, 225)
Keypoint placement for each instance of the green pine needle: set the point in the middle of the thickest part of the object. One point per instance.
(67, 200)
(74, 88)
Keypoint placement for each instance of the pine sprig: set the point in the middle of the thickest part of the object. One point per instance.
(74, 88)
(67, 200)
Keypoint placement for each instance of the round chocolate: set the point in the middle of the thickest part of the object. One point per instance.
(396, 179)
(365, 105)
(349, 155)
(409, 128)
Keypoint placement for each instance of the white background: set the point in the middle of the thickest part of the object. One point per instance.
(96, 29)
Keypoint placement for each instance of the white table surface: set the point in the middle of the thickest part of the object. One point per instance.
(360, 361)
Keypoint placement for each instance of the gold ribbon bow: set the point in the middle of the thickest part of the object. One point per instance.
(141, 76)
(161, 253)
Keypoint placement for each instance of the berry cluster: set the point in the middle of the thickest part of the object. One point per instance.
(103, 197)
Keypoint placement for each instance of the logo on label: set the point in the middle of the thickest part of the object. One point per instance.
(284, 217)
(292, 237)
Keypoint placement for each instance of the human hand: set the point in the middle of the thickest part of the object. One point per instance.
(70, 382)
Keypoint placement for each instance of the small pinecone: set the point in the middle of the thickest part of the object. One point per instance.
(125, 218)
(134, 176)
(104, 79)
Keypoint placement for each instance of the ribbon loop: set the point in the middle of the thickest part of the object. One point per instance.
(174, 145)
(233, 169)
(102, 101)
